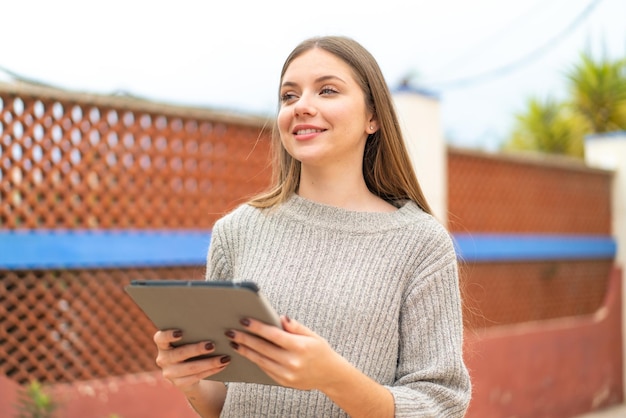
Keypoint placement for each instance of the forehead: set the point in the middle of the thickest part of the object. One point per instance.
(316, 63)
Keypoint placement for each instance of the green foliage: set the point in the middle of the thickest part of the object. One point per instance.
(597, 104)
(598, 92)
(33, 402)
(549, 127)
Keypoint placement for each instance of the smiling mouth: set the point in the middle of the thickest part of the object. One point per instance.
(308, 131)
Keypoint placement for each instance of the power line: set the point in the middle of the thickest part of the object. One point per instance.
(515, 65)
(490, 40)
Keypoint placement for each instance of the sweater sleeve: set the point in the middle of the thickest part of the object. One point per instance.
(218, 266)
(431, 377)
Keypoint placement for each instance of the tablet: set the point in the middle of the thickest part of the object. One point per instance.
(204, 311)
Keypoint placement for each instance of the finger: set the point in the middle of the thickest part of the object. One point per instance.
(183, 353)
(270, 333)
(254, 342)
(294, 327)
(258, 350)
(185, 381)
(164, 339)
(183, 374)
(284, 367)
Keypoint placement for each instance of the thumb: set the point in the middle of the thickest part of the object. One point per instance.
(294, 327)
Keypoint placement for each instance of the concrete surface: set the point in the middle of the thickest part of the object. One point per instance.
(618, 411)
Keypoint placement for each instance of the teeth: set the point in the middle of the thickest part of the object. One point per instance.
(307, 131)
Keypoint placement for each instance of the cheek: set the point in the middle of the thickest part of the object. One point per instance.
(350, 115)
(283, 120)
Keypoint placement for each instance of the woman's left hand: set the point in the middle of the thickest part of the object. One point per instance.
(294, 356)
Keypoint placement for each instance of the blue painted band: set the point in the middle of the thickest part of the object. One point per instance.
(518, 247)
(100, 249)
(118, 249)
(619, 135)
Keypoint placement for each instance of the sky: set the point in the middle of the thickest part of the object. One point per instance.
(482, 58)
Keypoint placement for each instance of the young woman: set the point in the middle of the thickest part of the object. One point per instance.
(345, 247)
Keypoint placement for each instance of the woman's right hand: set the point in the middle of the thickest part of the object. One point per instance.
(176, 364)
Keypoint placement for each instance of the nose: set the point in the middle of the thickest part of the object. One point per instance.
(305, 106)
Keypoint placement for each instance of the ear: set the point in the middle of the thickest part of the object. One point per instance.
(372, 125)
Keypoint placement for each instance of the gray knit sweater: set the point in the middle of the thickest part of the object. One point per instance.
(381, 288)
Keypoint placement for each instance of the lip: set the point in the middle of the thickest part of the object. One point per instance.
(307, 132)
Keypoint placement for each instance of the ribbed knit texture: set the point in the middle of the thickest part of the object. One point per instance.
(381, 288)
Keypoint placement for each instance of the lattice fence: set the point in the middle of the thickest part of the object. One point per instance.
(76, 161)
(526, 194)
(72, 161)
(533, 195)
(507, 293)
(68, 325)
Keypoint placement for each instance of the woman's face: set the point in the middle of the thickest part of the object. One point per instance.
(323, 120)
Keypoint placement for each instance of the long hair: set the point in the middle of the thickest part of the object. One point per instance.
(387, 167)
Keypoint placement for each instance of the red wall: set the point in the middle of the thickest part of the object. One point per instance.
(145, 395)
(557, 368)
(8, 397)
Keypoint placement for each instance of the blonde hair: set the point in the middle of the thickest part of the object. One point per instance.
(387, 168)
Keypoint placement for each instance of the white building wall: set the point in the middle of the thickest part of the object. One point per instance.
(420, 120)
(609, 152)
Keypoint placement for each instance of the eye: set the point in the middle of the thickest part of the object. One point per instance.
(287, 97)
(326, 90)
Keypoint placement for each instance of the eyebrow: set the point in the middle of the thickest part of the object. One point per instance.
(317, 80)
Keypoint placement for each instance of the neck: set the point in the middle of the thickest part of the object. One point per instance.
(343, 188)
